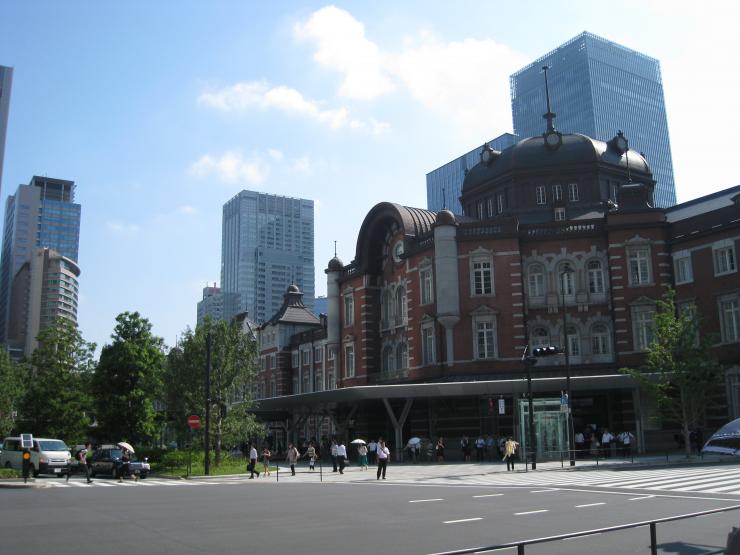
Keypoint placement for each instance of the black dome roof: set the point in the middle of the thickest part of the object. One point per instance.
(335, 265)
(532, 154)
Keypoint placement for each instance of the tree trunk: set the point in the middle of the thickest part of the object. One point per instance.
(685, 425)
(219, 422)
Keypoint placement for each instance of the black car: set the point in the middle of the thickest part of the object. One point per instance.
(107, 460)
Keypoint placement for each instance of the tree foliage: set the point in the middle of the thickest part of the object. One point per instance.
(12, 388)
(128, 381)
(680, 371)
(57, 402)
(232, 372)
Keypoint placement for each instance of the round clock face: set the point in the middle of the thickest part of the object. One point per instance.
(552, 139)
(485, 156)
(398, 251)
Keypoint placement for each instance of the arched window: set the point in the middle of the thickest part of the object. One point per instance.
(574, 343)
(540, 338)
(600, 340)
(402, 356)
(536, 280)
(595, 277)
(400, 305)
(387, 358)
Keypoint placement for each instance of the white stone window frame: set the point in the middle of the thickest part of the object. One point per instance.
(481, 256)
(541, 195)
(537, 339)
(349, 360)
(318, 354)
(426, 271)
(400, 305)
(500, 203)
(573, 339)
(682, 259)
(568, 278)
(724, 250)
(402, 351)
(573, 192)
(479, 209)
(727, 334)
(386, 308)
(348, 308)
(557, 192)
(305, 357)
(273, 361)
(331, 355)
(689, 307)
(485, 315)
(388, 358)
(428, 343)
(642, 281)
(601, 279)
(559, 214)
(542, 273)
(640, 333)
(489, 205)
(604, 339)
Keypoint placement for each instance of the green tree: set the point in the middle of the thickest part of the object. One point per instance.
(129, 380)
(680, 370)
(232, 372)
(57, 401)
(12, 388)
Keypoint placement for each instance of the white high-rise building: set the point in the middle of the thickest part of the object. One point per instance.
(6, 80)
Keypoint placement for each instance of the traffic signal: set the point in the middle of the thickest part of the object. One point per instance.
(546, 351)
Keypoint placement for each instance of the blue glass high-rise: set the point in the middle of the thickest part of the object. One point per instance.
(266, 244)
(598, 87)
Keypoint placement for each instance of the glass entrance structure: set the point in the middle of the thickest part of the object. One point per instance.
(550, 428)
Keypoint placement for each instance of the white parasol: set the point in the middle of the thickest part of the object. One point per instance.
(126, 446)
(358, 442)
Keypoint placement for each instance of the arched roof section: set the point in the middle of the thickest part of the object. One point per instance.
(383, 217)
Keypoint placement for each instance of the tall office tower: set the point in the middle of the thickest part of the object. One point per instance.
(44, 288)
(40, 214)
(217, 305)
(444, 185)
(6, 80)
(598, 87)
(266, 244)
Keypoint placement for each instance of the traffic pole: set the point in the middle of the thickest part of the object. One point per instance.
(206, 442)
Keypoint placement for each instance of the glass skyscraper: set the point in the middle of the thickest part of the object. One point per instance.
(444, 185)
(42, 214)
(598, 87)
(266, 244)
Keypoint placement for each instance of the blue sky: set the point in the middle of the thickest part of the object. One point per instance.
(162, 111)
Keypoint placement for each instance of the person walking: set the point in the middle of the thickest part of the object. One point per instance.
(292, 457)
(626, 439)
(266, 461)
(252, 467)
(509, 452)
(362, 452)
(334, 454)
(480, 449)
(371, 447)
(125, 465)
(606, 442)
(465, 448)
(82, 459)
(311, 456)
(341, 456)
(383, 453)
(580, 442)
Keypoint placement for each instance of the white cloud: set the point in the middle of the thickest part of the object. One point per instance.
(232, 167)
(260, 95)
(341, 45)
(187, 210)
(122, 229)
(466, 81)
(275, 154)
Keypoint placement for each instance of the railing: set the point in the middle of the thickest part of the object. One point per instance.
(586, 456)
(520, 545)
(548, 230)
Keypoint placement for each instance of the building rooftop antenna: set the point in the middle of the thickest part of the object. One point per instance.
(550, 115)
(335, 249)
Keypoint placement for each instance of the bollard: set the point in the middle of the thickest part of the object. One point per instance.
(653, 540)
(277, 474)
(321, 472)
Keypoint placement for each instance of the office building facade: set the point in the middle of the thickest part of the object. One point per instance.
(598, 87)
(6, 80)
(42, 214)
(267, 243)
(45, 288)
(444, 185)
(216, 304)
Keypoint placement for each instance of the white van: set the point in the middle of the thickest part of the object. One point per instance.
(48, 456)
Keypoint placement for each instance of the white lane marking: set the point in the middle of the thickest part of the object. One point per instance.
(589, 505)
(532, 512)
(488, 495)
(543, 490)
(579, 537)
(462, 520)
(103, 484)
(77, 484)
(640, 498)
(426, 500)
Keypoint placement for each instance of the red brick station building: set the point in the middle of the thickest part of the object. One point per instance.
(427, 326)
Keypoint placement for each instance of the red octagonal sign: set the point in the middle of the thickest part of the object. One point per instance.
(194, 422)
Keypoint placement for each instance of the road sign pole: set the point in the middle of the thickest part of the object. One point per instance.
(190, 451)
(206, 442)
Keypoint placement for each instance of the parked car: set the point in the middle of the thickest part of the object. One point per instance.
(106, 459)
(725, 441)
(48, 456)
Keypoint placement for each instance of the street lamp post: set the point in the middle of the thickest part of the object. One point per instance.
(530, 361)
(567, 270)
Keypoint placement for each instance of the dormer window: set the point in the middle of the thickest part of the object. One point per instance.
(572, 192)
(541, 194)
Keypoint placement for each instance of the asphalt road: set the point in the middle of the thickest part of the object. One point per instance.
(348, 517)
